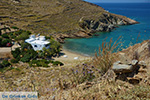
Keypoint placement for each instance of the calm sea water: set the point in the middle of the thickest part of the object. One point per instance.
(137, 11)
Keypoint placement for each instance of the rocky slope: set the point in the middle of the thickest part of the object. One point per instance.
(60, 18)
(140, 51)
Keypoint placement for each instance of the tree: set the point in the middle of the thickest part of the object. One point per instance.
(0, 31)
(5, 63)
(22, 35)
(53, 50)
(0, 42)
(16, 53)
(4, 42)
(5, 36)
(26, 57)
(25, 46)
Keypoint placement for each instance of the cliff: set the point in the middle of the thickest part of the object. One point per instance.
(60, 18)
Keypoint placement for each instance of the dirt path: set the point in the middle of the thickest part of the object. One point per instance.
(5, 50)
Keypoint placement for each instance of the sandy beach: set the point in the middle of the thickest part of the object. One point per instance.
(68, 57)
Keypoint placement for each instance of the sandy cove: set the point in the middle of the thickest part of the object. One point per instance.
(68, 57)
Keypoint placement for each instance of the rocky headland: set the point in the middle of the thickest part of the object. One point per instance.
(60, 18)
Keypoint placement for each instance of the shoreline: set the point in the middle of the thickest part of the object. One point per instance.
(76, 53)
(68, 56)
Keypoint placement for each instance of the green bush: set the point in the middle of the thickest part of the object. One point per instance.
(0, 32)
(28, 55)
(39, 63)
(14, 61)
(1, 39)
(18, 32)
(4, 42)
(44, 63)
(5, 63)
(53, 50)
(48, 37)
(55, 46)
(16, 53)
(25, 46)
(24, 54)
(1, 66)
(51, 61)
(58, 63)
(33, 53)
(12, 35)
(5, 36)
(14, 27)
(0, 42)
(41, 54)
(26, 58)
(22, 35)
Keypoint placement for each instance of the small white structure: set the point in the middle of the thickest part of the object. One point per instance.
(38, 43)
(65, 56)
(76, 58)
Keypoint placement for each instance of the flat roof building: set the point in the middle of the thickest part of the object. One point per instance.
(38, 43)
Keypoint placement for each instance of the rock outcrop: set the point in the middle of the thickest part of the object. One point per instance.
(130, 72)
(119, 67)
(139, 51)
(105, 23)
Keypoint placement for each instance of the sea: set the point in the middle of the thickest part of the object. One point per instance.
(130, 34)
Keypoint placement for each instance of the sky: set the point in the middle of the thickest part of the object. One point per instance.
(118, 1)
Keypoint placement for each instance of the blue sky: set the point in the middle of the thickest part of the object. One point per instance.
(117, 1)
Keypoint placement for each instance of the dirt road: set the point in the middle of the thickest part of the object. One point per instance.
(5, 50)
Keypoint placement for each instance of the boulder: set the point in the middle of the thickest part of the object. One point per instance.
(123, 68)
(142, 63)
(120, 67)
(134, 62)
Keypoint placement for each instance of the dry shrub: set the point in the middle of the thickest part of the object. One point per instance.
(136, 56)
(105, 57)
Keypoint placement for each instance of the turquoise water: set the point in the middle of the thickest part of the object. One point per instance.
(137, 11)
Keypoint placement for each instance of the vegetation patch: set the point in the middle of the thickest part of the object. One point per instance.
(7, 38)
(54, 49)
(39, 63)
(23, 54)
(4, 65)
(27, 54)
(44, 63)
(14, 61)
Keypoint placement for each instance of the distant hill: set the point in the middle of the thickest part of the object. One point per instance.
(60, 18)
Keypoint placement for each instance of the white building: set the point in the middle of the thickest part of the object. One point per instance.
(38, 43)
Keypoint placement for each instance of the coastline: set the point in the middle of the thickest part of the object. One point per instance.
(67, 56)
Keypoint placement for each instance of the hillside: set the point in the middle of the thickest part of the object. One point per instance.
(70, 82)
(60, 18)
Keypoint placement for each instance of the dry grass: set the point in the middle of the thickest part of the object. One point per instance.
(105, 57)
(70, 83)
(6, 55)
(54, 83)
(56, 16)
(48, 16)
